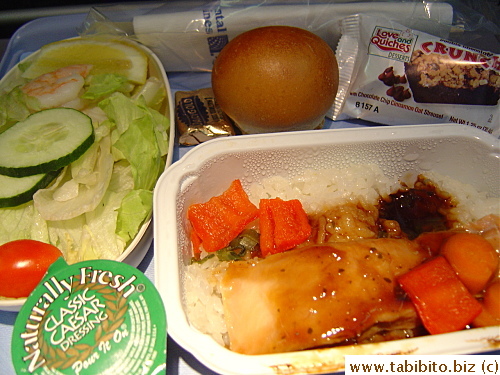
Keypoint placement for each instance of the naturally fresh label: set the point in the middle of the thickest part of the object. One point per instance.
(93, 317)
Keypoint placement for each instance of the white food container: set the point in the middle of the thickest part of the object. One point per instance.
(137, 249)
(461, 152)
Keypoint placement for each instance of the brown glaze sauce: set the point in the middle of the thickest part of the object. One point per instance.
(420, 209)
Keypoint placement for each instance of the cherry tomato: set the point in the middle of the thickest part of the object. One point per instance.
(23, 263)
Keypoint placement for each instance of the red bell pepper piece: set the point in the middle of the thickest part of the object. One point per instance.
(218, 221)
(283, 225)
(442, 301)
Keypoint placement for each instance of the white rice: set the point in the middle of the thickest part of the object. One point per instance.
(470, 204)
(203, 298)
(316, 190)
(329, 187)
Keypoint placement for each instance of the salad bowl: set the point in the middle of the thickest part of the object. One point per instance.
(136, 246)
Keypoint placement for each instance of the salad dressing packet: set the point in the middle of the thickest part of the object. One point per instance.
(393, 75)
(92, 317)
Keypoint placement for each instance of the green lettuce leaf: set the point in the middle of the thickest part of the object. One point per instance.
(22, 222)
(101, 85)
(134, 210)
(91, 235)
(153, 92)
(81, 187)
(13, 108)
(136, 139)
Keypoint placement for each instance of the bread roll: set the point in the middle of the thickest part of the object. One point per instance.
(276, 78)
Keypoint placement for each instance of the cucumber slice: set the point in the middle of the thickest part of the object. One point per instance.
(15, 191)
(46, 141)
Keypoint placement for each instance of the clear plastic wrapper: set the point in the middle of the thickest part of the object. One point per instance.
(392, 74)
(187, 36)
(192, 39)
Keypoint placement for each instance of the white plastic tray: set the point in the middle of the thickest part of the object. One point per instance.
(461, 152)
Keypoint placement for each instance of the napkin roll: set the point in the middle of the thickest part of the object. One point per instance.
(191, 40)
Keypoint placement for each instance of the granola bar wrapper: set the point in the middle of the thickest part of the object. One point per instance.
(199, 118)
(393, 75)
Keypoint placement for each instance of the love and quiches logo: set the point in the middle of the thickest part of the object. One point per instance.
(393, 44)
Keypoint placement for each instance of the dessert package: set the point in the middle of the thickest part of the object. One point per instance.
(391, 74)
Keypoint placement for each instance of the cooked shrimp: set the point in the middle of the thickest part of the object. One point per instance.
(58, 88)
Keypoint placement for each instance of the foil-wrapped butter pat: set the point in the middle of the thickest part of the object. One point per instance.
(199, 118)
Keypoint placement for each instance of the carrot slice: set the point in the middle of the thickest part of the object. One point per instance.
(283, 225)
(492, 299)
(490, 316)
(472, 257)
(432, 241)
(223, 217)
(442, 301)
